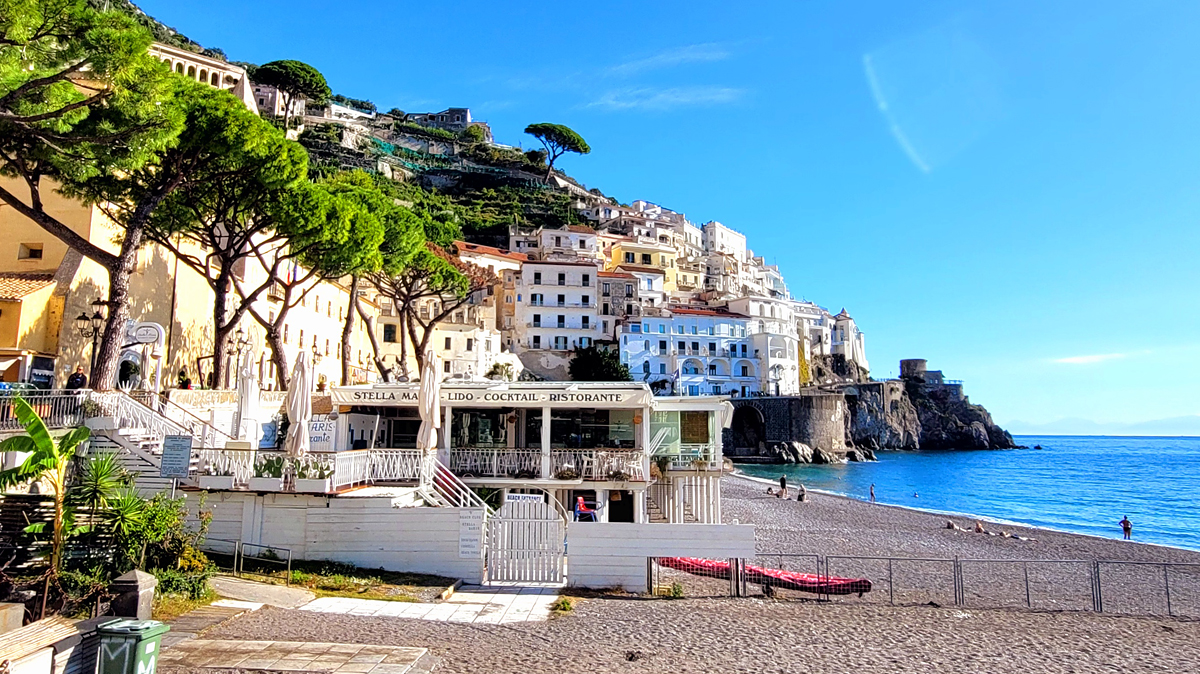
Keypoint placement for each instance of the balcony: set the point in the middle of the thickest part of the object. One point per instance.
(618, 465)
(342, 469)
(688, 457)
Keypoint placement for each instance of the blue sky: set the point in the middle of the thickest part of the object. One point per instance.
(1007, 189)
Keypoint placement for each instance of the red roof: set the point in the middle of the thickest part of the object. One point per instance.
(561, 263)
(714, 311)
(14, 284)
(615, 274)
(463, 246)
(581, 229)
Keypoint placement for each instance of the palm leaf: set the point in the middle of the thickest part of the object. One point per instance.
(33, 424)
(68, 442)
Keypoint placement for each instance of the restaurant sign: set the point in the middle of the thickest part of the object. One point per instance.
(392, 396)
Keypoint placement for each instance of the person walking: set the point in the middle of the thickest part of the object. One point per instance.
(77, 380)
(872, 492)
(1127, 527)
(783, 492)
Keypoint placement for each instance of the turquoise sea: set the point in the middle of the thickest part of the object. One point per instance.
(1082, 484)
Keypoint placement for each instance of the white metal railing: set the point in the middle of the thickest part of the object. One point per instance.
(206, 433)
(58, 408)
(690, 456)
(347, 469)
(451, 490)
(129, 413)
(496, 462)
(599, 464)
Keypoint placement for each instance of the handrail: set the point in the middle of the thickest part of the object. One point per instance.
(130, 413)
(164, 403)
(457, 494)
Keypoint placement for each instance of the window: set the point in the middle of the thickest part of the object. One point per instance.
(581, 244)
(562, 279)
(585, 342)
(29, 251)
(562, 300)
(712, 349)
(649, 284)
(604, 326)
(449, 343)
(743, 349)
(662, 368)
(389, 333)
(586, 322)
(508, 299)
(470, 343)
(587, 280)
(629, 290)
(662, 346)
(562, 321)
(537, 278)
(537, 341)
(329, 309)
(647, 258)
(683, 347)
(604, 289)
(560, 343)
(630, 258)
(662, 329)
(646, 367)
(537, 320)
(604, 309)
(629, 308)
(745, 370)
(446, 367)
(711, 330)
(536, 299)
(712, 369)
(558, 242)
(679, 329)
(695, 347)
(693, 329)
(586, 300)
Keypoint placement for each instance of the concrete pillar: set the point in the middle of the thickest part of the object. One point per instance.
(602, 504)
(640, 515)
(134, 595)
(546, 412)
(12, 617)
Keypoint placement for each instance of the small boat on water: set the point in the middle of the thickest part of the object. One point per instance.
(778, 578)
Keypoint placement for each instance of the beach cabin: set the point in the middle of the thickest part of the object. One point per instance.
(517, 466)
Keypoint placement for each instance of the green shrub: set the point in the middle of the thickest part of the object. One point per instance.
(675, 591)
(175, 582)
(562, 605)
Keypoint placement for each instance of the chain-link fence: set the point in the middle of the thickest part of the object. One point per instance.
(1110, 586)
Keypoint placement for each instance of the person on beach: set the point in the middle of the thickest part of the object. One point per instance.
(1127, 527)
(783, 492)
(872, 492)
(803, 495)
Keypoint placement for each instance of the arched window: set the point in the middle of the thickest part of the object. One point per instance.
(179, 67)
(191, 72)
(204, 75)
(216, 80)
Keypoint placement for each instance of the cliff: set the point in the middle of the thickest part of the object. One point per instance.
(914, 415)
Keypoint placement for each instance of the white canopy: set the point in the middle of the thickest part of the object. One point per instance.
(299, 408)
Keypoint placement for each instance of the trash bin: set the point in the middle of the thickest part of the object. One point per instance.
(129, 646)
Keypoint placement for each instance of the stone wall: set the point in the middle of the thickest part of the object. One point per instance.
(817, 420)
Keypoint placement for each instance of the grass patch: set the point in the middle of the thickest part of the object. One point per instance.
(171, 606)
(563, 605)
(333, 579)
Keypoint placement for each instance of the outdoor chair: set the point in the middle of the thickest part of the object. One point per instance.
(581, 510)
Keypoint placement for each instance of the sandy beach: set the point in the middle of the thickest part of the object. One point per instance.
(789, 633)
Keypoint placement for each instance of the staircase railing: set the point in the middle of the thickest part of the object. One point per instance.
(129, 413)
(456, 494)
(209, 435)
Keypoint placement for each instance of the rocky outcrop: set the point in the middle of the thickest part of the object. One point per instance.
(950, 421)
(880, 415)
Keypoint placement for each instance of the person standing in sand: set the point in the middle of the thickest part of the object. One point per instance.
(872, 492)
(783, 492)
(1127, 527)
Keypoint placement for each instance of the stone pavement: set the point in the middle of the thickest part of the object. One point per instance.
(470, 604)
(297, 656)
(260, 593)
(191, 624)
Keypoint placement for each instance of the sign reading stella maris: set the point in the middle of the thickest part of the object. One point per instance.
(396, 396)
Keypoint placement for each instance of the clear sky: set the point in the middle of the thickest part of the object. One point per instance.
(1008, 189)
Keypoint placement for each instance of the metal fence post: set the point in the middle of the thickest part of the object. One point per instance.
(1167, 585)
(1099, 587)
(288, 578)
(891, 585)
(1027, 603)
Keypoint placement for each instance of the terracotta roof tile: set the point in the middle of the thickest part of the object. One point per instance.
(581, 229)
(463, 246)
(14, 285)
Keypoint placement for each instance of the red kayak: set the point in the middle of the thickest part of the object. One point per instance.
(790, 580)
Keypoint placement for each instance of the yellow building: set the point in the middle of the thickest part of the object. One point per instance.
(645, 252)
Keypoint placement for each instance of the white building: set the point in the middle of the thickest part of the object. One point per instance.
(556, 312)
(848, 341)
(693, 351)
(776, 341)
(572, 241)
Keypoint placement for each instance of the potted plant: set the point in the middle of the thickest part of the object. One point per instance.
(313, 477)
(567, 472)
(268, 474)
(216, 480)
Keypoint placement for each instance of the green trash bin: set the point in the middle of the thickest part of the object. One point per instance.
(129, 646)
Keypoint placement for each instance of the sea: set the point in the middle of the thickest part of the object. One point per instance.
(1079, 484)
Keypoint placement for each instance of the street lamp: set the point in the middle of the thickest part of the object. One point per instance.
(238, 345)
(316, 354)
(90, 327)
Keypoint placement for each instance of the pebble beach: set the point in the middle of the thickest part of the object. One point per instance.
(704, 632)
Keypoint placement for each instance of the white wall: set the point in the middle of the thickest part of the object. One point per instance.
(365, 532)
(614, 554)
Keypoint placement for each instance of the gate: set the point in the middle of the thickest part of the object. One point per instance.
(526, 543)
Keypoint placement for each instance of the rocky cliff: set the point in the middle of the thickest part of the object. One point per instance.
(913, 415)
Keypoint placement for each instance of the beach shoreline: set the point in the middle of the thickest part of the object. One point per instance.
(972, 517)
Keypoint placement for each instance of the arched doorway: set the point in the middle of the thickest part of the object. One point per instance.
(748, 428)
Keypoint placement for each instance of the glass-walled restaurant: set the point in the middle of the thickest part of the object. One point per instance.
(589, 446)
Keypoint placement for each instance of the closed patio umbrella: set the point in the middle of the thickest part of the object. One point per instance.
(429, 404)
(249, 402)
(299, 408)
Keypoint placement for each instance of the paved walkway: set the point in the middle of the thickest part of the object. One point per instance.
(191, 624)
(260, 593)
(471, 604)
(291, 656)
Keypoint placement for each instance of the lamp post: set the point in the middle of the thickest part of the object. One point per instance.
(90, 327)
(238, 345)
(316, 355)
